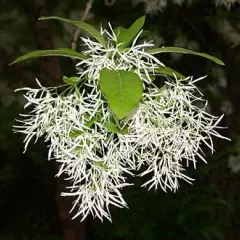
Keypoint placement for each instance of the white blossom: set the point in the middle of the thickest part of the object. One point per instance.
(114, 57)
(226, 3)
(170, 132)
(93, 160)
(165, 134)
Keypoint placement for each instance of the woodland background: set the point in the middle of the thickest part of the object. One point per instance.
(30, 206)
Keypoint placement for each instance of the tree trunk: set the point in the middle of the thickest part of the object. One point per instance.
(72, 229)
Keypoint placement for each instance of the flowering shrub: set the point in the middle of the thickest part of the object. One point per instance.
(112, 120)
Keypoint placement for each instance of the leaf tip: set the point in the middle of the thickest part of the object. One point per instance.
(11, 63)
(221, 63)
(42, 18)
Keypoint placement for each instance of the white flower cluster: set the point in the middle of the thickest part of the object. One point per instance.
(164, 133)
(92, 159)
(113, 57)
(154, 6)
(226, 3)
(170, 130)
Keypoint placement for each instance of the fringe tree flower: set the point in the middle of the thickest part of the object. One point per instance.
(171, 130)
(96, 163)
(96, 174)
(112, 120)
(51, 113)
(135, 58)
(90, 158)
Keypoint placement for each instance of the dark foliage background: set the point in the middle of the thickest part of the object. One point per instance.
(30, 206)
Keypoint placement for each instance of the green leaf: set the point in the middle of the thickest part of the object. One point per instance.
(71, 81)
(151, 76)
(112, 127)
(101, 164)
(82, 25)
(166, 71)
(63, 52)
(89, 122)
(75, 133)
(147, 33)
(119, 30)
(122, 89)
(184, 51)
(126, 35)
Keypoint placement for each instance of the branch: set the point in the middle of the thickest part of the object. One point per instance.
(77, 31)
